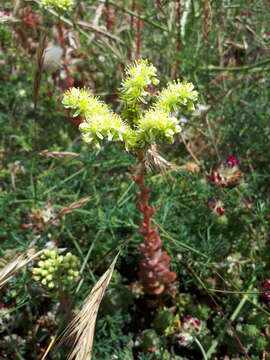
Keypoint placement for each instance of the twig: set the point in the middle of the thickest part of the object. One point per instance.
(237, 68)
(40, 61)
(130, 12)
(197, 161)
(235, 292)
(55, 154)
(99, 30)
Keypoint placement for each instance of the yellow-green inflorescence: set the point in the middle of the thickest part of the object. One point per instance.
(155, 125)
(65, 5)
(101, 122)
(55, 270)
(139, 76)
(177, 95)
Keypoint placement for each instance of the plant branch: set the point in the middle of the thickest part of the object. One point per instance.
(130, 12)
(237, 68)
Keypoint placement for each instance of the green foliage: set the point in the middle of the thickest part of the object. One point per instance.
(162, 320)
(149, 340)
(228, 253)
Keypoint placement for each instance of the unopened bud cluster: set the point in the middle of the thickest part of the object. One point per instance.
(140, 128)
(54, 270)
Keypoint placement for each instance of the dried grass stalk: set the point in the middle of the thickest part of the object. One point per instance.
(153, 158)
(69, 209)
(81, 329)
(207, 19)
(55, 154)
(7, 19)
(13, 267)
(100, 31)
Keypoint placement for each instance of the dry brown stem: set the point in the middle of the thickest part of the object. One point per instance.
(207, 18)
(40, 61)
(56, 154)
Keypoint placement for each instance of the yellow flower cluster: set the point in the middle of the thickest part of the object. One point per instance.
(100, 122)
(65, 5)
(177, 95)
(139, 129)
(54, 270)
(139, 76)
(157, 125)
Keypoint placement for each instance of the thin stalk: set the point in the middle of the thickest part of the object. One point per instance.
(154, 263)
(237, 68)
(130, 12)
(201, 348)
(177, 242)
(212, 137)
(49, 347)
(242, 302)
(64, 302)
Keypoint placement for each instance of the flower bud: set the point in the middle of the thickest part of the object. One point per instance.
(51, 285)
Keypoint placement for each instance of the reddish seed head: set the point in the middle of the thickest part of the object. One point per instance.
(220, 211)
(248, 201)
(232, 161)
(265, 289)
(216, 206)
(219, 178)
(227, 173)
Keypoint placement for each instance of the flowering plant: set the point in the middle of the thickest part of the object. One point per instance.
(139, 130)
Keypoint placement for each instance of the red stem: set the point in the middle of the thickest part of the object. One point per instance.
(138, 34)
(154, 263)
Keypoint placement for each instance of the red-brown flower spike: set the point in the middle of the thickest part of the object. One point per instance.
(154, 263)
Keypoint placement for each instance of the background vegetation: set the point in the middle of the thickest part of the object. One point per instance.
(221, 46)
